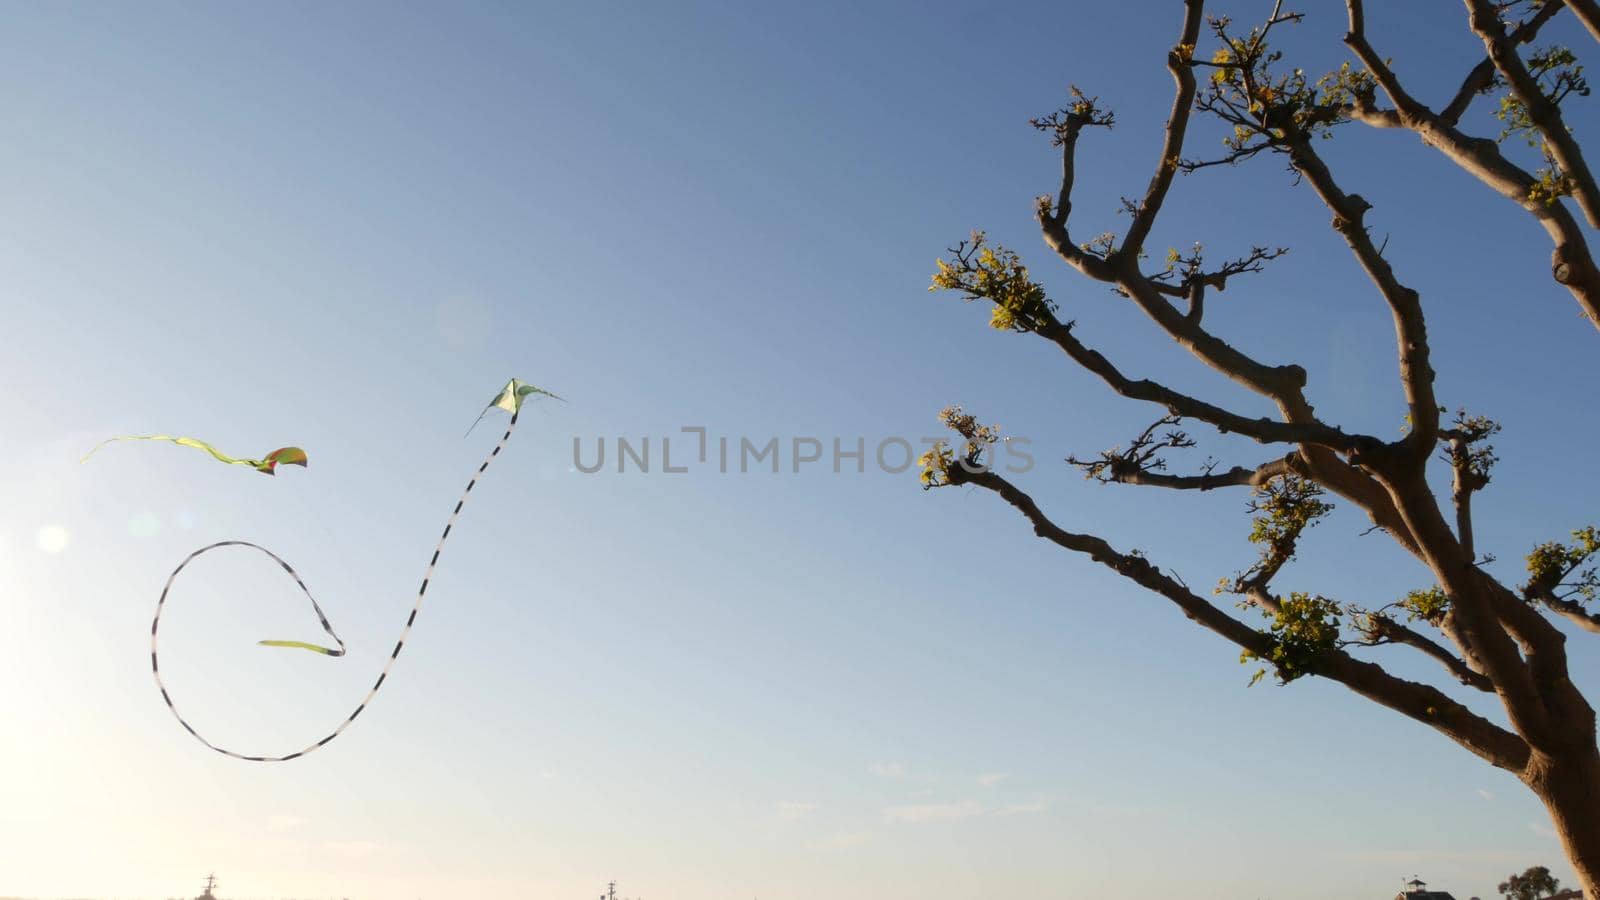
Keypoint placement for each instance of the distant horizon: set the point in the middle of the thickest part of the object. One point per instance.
(224, 896)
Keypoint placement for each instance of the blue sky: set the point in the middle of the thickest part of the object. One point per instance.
(344, 227)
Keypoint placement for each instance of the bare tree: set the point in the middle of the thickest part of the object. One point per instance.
(1488, 636)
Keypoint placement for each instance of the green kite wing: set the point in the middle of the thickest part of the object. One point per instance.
(511, 397)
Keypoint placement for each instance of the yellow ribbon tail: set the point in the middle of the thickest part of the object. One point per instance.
(302, 645)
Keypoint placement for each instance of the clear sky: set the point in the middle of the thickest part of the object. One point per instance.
(344, 226)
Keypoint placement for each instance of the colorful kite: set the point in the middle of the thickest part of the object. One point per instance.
(289, 456)
(509, 399)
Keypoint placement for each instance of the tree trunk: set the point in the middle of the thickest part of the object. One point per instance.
(1569, 785)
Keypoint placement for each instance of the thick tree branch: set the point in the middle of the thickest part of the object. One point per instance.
(1238, 476)
(1552, 568)
(1481, 78)
(1471, 466)
(1411, 332)
(1572, 610)
(1144, 216)
(1283, 384)
(1522, 653)
(1587, 12)
(1356, 39)
(1504, 643)
(1528, 682)
(1142, 464)
(1461, 495)
(1054, 219)
(1196, 295)
(1572, 264)
(1544, 647)
(1122, 266)
(1263, 430)
(1545, 114)
(1430, 706)
(1418, 701)
(1379, 629)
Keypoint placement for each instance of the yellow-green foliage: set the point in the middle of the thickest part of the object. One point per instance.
(1476, 458)
(1428, 605)
(1285, 507)
(1304, 627)
(984, 272)
(1550, 184)
(937, 462)
(936, 465)
(1551, 565)
(1278, 107)
(1558, 74)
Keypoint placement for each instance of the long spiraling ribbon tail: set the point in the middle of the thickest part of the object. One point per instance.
(514, 408)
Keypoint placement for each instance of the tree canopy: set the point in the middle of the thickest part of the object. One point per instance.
(1489, 636)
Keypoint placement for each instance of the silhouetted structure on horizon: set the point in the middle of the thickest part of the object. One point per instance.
(1416, 889)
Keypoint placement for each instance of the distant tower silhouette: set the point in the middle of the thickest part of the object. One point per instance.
(211, 883)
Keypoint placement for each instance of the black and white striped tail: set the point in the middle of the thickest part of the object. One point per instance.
(155, 625)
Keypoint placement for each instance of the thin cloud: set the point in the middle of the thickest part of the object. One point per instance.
(794, 811)
(920, 813)
(890, 770)
(1407, 857)
(843, 841)
(284, 822)
(352, 849)
(1542, 830)
(990, 779)
(1022, 809)
(1487, 795)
